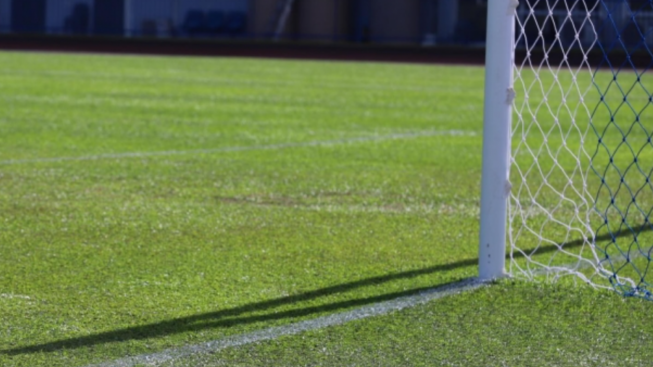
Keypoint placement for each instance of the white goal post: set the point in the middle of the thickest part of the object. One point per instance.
(497, 120)
(567, 175)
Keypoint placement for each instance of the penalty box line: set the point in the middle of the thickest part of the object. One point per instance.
(377, 309)
(314, 143)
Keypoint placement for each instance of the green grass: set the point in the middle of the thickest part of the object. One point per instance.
(504, 325)
(109, 257)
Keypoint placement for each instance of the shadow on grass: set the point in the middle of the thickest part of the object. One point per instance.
(229, 317)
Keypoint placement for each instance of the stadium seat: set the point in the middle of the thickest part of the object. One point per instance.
(215, 21)
(236, 23)
(464, 32)
(78, 21)
(194, 22)
(149, 28)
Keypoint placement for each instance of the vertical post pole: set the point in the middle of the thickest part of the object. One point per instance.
(128, 20)
(497, 120)
(448, 18)
(336, 9)
(283, 19)
(178, 18)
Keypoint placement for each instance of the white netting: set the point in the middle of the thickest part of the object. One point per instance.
(582, 153)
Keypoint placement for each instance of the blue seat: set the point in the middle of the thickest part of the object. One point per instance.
(194, 22)
(236, 22)
(78, 21)
(464, 32)
(215, 21)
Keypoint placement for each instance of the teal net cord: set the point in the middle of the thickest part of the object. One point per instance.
(623, 157)
(582, 158)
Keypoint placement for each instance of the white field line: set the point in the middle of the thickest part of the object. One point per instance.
(179, 76)
(445, 209)
(315, 143)
(197, 102)
(377, 309)
(14, 296)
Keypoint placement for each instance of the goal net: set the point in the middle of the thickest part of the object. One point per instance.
(580, 197)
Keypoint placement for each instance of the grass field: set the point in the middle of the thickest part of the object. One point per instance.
(150, 203)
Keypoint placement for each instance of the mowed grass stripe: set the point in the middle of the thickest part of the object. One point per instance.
(246, 148)
(451, 86)
(111, 114)
(123, 257)
(160, 252)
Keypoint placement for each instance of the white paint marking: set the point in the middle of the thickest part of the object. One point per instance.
(14, 296)
(374, 138)
(420, 209)
(377, 309)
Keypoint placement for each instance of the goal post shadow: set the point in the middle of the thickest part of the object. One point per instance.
(234, 316)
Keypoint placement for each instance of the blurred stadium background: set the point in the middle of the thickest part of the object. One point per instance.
(377, 21)
(335, 22)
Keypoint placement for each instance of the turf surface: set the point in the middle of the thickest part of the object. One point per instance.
(508, 324)
(149, 203)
